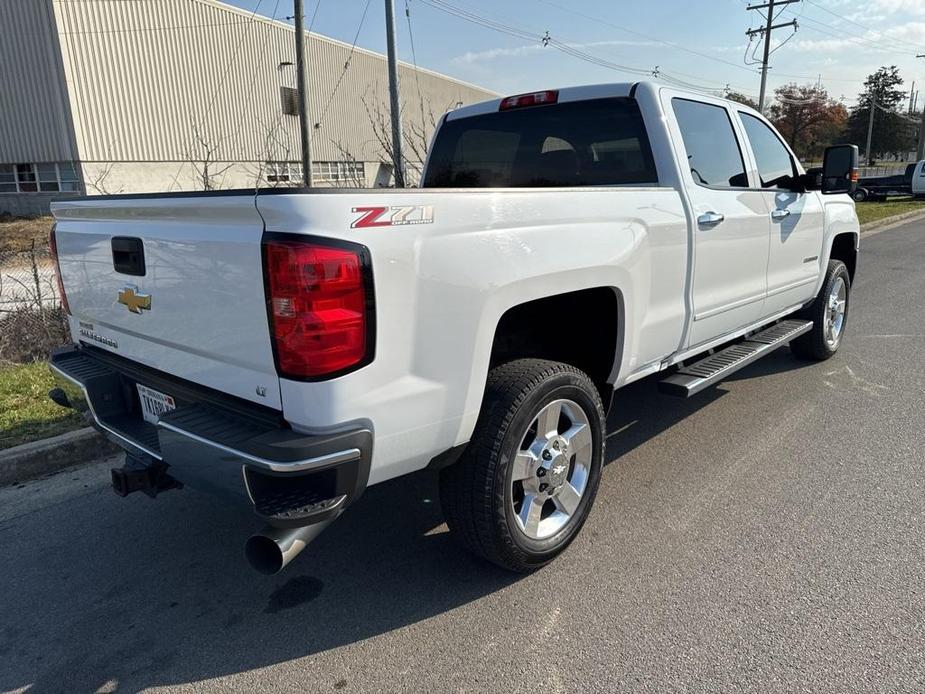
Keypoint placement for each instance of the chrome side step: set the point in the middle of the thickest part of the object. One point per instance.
(710, 370)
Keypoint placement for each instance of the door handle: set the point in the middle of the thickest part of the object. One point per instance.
(709, 219)
(778, 215)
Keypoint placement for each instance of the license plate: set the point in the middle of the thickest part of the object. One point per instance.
(154, 403)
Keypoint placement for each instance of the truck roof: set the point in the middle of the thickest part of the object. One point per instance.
(590, 91)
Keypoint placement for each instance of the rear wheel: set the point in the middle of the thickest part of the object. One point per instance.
(829, 313)
(529, 476)
(859, 195)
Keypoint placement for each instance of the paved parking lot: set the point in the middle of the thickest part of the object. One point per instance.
(768, 535)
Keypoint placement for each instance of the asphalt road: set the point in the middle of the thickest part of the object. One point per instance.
(766, 536)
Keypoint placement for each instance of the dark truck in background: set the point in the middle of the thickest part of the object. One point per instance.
(910, 182)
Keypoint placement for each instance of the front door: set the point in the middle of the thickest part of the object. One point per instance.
(731, 222)
(797, 219)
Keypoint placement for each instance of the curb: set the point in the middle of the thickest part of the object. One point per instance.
(886, 221)
(37, 458)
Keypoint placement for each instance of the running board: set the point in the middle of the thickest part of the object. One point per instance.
(709, 371)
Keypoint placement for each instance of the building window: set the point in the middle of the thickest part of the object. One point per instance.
(25, 177)
(339, 172)
(348, 173)
(284, 172)
(7, 179)
(35, 178)
(289, 98)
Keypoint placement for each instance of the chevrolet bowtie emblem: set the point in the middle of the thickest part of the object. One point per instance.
(135, 302)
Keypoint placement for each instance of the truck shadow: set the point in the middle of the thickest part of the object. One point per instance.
(130, 594)
(639, 412)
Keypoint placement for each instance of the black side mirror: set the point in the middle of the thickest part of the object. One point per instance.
(840, 169)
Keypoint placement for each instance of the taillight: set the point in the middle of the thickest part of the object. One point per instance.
(550, 96)
(320, 304)
(53, 250)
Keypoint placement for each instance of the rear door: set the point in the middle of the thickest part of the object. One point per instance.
(174, 283)
(797, 219)
(730, 235)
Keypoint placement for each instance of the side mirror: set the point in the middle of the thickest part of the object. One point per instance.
(840, 169)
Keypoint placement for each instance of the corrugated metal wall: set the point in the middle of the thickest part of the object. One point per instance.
(174, 80)
(34, 122)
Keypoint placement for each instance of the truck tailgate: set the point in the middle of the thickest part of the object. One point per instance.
(196, 309)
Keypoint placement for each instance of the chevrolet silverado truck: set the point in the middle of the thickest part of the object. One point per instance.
(288, 348)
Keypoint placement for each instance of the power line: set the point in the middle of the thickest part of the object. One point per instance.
(827, 30)
(340, 79)
(620, 27)
(559, 45)
(414, 61)
(218, 86)
(250, 90)
(858, 24)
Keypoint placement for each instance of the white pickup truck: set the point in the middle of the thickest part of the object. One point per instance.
(290, 347)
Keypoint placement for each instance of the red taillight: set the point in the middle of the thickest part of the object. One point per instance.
(550, 96)
(53, 250)
(319, 302)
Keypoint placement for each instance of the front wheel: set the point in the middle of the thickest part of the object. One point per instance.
(829, 313)
(528, 478)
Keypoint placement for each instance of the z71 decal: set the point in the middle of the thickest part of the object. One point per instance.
(398, 215)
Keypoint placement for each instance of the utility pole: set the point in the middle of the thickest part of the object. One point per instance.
(920, 150)
(766, 30)
(304, 132)
(872, 105)
(398, 160)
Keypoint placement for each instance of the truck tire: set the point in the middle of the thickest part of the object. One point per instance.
(526, 482)
(859, 195)
(829, 313)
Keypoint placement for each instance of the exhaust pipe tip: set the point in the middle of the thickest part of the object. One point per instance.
(264, 555)
(271, 550)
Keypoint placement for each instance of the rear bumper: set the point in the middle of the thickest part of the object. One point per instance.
(217, 443)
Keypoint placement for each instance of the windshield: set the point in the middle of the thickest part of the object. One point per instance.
(596, 142)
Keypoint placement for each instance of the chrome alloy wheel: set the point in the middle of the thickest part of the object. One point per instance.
(551, 469)
(835, 312)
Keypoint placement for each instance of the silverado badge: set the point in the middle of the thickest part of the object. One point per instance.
(133, 300)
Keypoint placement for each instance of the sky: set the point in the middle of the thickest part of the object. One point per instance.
(701, 43)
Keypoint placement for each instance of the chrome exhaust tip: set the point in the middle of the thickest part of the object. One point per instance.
(271, 550)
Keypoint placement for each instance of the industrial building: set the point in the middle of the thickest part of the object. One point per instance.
(107, 96)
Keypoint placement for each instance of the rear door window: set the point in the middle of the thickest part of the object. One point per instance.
(713, 153)
(597, 142)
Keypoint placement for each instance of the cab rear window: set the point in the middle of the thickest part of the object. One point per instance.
(597, 142)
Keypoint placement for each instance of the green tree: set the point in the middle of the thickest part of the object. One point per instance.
(808, 118)
(892, 132)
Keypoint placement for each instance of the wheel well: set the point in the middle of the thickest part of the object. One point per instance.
(843, 249)
(578, 328)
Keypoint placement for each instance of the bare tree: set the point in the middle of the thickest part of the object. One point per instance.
(203, 157)
(97, 183)
(355, 166)
(416, 135)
